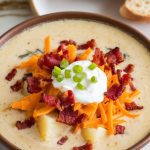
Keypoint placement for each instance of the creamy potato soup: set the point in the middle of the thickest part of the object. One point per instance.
(81, 31)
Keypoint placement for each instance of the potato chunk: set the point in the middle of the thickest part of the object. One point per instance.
(92, 134)
(49, 128)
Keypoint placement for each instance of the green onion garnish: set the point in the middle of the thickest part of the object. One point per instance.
(56, 71)
(67, 73)
(64, 63)
(93, 79)
(76, 79)
(79, 77)
(92, 66)
(60, 77)
(80, 86)
(77, 69)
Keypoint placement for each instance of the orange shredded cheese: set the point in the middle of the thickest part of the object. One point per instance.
(134, 94)
(103, 113)
(27, 103)
(47, 44)
(71, 53)
(85, 55)
(42, 109)
(124, 111)
(110, 118)
(31, 63)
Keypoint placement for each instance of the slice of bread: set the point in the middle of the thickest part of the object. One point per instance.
(136, 10)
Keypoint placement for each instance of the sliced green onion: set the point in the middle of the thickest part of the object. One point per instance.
(79, 77)
(93, 79)
(60, 78)
(56, 71)
(67, 73)
(92, 66)
(80, 86)
(64, 63)
(77, 69)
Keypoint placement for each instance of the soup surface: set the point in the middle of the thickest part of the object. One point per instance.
(106, 37)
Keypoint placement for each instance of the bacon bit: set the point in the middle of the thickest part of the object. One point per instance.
(133, 106)
(25, 124)
(112, 66)
(48, 61)
(65, 54)
(89, 44)
(119, 75)
(129, 68)
(62, 140)
(26, 75)
(50, 100)
(67, 98)
(133, 88)
(126, 79)
(67, 42)
(68, 116)
(81, 118)
(70, 98)
(87, 146)
(115, 91)
(61, 48)
(11, 74)
(114, 56)
(33, 85)
(98, 57)
(17, 86)
(120, 129)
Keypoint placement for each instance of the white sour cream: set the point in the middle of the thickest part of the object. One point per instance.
(94, 92)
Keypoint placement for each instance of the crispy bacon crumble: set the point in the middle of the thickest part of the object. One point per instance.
(120, 129)
(98, 57)
(63, 140)
(133, 106)
(11, 74)
(28, 123)
(87, 146)
(33, 85)
(48, 61)
(17, 86)
(68, 116)
(89, 44)
(129, 68)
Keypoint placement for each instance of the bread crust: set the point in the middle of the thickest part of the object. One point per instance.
(128, 14)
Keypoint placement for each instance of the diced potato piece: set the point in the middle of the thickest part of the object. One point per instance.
(49, 128)
(92, 134)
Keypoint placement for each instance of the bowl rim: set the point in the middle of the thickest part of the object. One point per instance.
(78, 16)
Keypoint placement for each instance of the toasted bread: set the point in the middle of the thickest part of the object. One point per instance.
(136, 10)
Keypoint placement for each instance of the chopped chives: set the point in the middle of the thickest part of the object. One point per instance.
(80, 86)
(79, 77)
(67, 73)
(76, 79)
(56, 71)
(77, 69)
(60, 78)
(92, 66)
(93, 79)
(64, 63)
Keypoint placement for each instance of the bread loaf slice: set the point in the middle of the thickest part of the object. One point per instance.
(136, 10)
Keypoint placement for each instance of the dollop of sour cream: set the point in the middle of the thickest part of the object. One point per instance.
(93, 92)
